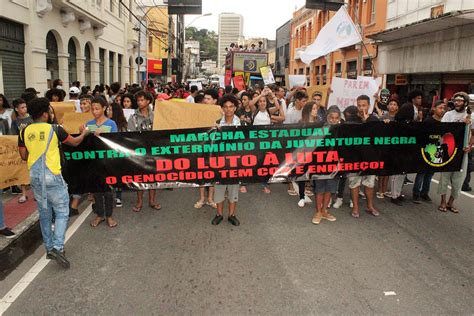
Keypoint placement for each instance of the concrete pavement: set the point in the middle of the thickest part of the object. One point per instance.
(173, 261)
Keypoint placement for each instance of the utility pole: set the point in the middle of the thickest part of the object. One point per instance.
(139, 51)
(170, 48)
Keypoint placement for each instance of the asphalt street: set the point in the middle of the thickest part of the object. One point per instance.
(412, 260)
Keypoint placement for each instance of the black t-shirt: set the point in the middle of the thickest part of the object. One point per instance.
(241, 112)
(430, 119)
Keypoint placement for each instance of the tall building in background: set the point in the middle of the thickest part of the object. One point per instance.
(231, 26)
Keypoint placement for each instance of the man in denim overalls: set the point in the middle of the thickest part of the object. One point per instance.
(39, 145)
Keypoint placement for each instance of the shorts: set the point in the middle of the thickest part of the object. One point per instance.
(232, 192)
(356, 181)
(325, 185)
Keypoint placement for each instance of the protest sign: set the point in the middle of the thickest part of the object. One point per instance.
(127, 113)
(62, 107)
(239, 82)
(221, 81)
(196, 83)
(178, 115)
(322, 89)
(228, 77)
(345, 91)
(267, 75)
(72, 121)
(13, 170)
(257, 154)
(296, 81)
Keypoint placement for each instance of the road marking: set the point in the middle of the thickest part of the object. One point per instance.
(389, 293)
(462, 192)
(29, 276)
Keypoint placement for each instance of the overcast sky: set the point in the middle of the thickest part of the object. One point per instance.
(261, 17)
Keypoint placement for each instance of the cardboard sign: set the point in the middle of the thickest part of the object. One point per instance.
(239, 83)
(72, 121)
(179, 115)
(198, 84)
(323, 89)
(62, 107)
(267, 75)
(13, 170)
(228, 78)
(296, 81)
(346, 91)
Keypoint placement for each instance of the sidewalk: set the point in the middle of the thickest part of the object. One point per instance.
(23, 219)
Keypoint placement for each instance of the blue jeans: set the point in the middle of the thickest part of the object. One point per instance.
(422, 184)
(57, 200)
(2, 219)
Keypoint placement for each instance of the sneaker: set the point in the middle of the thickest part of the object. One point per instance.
(416, 199)
(118, 203)
(329, 217)
(426, 198)
(7, 233)
(396, 201)
(16, 190)
(301, 203)
(233, 220)
(50, 255)
(317, 219)
(59, 257)
(466, 189)
(217, 220)
(407, 181)
(307, 199)
(308, 192)
(338, 203)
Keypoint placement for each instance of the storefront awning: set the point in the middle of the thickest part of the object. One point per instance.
(442, 22)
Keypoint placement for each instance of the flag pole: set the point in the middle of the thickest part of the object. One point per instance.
(356, 18)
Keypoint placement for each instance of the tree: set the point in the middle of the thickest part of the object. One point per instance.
(207, 41)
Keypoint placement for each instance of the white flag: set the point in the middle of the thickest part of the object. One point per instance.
(339, 32)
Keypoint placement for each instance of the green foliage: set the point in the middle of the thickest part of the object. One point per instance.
(431, 150)
(207, 41)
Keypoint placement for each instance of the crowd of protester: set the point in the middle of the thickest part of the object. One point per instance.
(270, 105)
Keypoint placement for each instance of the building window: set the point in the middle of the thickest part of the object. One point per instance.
(310, 26)
(294, 72)
(351, 69)
(120, 68)
(130, 7)
(111, 5)
(367, 67)
(323, 71)
(102, 65)
(111, 67)
(318, 75)
(120, 9)
(372, 11)
(307, 70)
(338, 70)
(300, 71)
(150, 44)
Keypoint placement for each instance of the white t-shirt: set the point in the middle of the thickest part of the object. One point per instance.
(454, 116)
(293, 115)
(7, 115)
(262, 118)
(190, 99)
(283, 105)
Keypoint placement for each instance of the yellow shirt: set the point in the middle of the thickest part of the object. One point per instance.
(35, 138)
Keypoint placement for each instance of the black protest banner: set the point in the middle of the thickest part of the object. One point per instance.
(260, 153)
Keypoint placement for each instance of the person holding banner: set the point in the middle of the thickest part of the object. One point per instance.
(101, 124)
(368, 181)
(210, 97)
(461, 113)
(38, 144)
(229, 104)
(140, 121)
